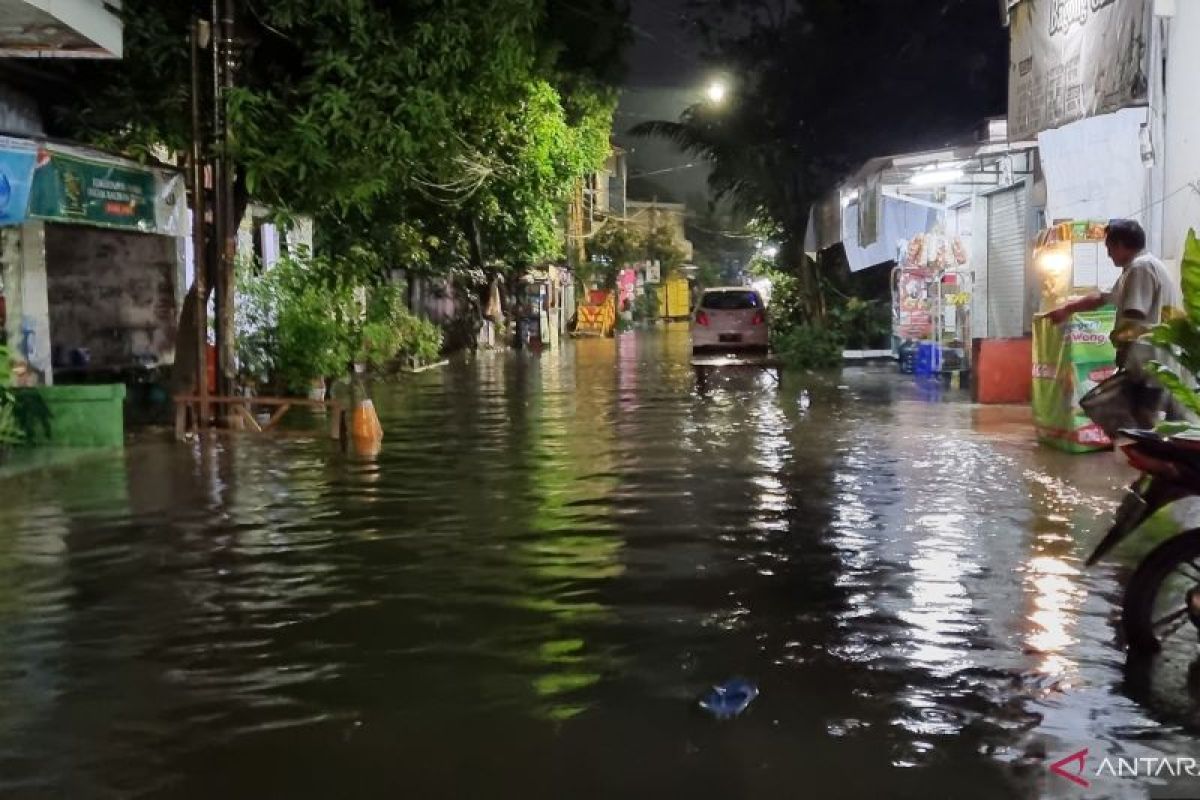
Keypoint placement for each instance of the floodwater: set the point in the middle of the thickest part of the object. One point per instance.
(553, 557)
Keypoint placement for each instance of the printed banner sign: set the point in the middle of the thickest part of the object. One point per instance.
(913, 305)
(17, 159)
(69, 188)
(1068, 361)
(1072, 59)
(170, 204)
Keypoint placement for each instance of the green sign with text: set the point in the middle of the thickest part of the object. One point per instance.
(71, 189)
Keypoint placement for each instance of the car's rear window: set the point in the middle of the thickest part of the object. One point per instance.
(730, 301)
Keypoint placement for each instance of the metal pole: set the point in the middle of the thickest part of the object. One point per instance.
(217, 161)
(224, 224)
(228, 241)
(199, 249)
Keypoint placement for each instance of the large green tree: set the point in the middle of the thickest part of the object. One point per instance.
(345, 103)
(422, 133)
(819, 86)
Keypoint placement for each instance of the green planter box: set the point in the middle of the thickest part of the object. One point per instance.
(78, 416)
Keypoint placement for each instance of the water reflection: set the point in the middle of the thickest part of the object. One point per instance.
(549, 560)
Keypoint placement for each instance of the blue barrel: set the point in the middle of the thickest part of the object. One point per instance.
(929, 358)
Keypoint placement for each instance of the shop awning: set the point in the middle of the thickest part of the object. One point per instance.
(60, 29)
(889, 197)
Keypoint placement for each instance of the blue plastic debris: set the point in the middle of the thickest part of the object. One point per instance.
(729, 699)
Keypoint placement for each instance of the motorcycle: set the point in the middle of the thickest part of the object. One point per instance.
(1163, 595)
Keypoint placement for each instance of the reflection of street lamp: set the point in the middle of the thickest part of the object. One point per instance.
(716, 92)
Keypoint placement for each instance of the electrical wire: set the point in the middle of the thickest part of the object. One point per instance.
(1194, 185)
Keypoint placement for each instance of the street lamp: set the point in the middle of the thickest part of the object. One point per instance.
(716, 92)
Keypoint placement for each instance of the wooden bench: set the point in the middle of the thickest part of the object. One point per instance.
(188, 416)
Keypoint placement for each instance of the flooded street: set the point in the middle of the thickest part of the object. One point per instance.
(552, 559)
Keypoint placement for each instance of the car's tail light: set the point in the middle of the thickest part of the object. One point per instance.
(702, 318)
(759, 318)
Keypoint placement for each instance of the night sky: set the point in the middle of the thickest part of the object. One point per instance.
(665, 75)
(663, 52)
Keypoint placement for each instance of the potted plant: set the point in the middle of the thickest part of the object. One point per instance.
(10, 428)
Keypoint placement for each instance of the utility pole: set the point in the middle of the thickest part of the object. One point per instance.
(200, 38)
(224, 225)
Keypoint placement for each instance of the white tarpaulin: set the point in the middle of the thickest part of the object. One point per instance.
(1072, 59)
(898, 221)
(1094, 168)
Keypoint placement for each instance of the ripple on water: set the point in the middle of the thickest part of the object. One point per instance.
(547, 563)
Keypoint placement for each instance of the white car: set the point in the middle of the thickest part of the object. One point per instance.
(730, 319)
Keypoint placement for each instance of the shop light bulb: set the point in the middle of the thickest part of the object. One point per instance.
(935, 177)
(1054, 261)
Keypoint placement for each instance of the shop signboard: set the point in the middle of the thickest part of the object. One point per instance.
(1073, 59)
(17, 159)
(70, 188)
(1068, 361)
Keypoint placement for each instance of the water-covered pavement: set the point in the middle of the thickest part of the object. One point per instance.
(552, 559)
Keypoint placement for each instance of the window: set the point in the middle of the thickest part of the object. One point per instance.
(731, 301)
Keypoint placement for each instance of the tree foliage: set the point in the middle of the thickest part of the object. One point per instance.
(432, 132)
(618, 245)
(819, 86)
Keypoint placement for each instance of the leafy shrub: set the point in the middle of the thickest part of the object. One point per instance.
(10, 429)
(304, 319)
(22, 414)
(391, 331)
(864, 324)
(1180, 335)
(645, 304)
(293, 322)
(809, 346)
(312, 336)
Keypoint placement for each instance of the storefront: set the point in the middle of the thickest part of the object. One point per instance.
(1117, 135)
(966, 212)
(91, 263)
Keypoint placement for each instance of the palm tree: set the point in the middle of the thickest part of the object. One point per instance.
(820, 86)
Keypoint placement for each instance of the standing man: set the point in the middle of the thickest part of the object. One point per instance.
(1144, 296)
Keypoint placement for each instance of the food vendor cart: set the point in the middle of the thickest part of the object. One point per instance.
(931, 304)
(1070, 359)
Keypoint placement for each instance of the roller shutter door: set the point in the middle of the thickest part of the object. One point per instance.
(1006, 249)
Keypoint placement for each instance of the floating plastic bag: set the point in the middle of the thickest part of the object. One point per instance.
(729, 699)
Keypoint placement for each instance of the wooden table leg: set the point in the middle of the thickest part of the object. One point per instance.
(278, 415)
(181, 412)
(248, 418)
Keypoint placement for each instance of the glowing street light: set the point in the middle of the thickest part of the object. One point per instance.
(716, 92)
